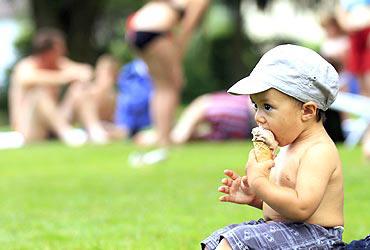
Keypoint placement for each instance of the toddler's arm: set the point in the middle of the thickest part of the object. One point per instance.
(237, 190)
(301, 202)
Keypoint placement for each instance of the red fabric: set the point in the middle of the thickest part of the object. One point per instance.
(358, 61)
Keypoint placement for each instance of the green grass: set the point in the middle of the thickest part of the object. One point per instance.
(54, 197)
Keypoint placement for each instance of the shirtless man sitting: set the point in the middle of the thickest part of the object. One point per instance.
(36, 84)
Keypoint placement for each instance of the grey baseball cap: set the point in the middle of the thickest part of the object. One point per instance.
(293, 70)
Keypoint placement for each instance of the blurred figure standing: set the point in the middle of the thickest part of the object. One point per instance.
(151, 32)
(336, 43)
(354, 17)
(334, 49)
(36, 81)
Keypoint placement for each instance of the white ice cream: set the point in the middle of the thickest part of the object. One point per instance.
(265, 136)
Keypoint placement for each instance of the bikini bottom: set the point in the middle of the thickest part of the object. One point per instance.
(141, 39)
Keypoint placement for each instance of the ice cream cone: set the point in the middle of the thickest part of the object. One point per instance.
(262, 151)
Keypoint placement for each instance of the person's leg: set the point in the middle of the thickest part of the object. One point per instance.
(106, 106)
(285, 235)
(77, 100)
(165, 68)
(163, 106)
(114, 132)
(31, 125)
(40, 113)
(106, 110)
(189, 119)
(213, 240)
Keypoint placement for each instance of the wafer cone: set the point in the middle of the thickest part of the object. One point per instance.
(262, 151)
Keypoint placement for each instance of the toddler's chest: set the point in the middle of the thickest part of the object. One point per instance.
(285, 173)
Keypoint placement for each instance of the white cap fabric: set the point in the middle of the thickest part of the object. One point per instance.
(293, 70)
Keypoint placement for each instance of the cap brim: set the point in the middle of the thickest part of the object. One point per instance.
(249, 85)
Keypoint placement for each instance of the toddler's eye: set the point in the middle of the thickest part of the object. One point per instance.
(267, 107)
(254, 106)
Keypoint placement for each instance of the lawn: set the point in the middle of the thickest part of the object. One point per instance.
(54, 197)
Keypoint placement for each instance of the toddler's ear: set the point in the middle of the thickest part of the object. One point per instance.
(309, 110)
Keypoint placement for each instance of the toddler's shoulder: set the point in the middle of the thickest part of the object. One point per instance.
(322, 153)
(322, 147)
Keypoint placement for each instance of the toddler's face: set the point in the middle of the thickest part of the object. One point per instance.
(279, 113)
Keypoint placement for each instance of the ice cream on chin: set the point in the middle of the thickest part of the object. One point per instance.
(265, 145)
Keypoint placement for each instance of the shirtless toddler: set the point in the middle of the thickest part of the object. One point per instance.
(300, 192)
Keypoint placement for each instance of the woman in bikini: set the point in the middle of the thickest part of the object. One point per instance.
(151, 32)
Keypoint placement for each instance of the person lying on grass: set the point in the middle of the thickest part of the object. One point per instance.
(300, 191)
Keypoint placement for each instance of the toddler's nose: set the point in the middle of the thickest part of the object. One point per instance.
(260, 119)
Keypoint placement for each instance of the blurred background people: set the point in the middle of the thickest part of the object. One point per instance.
(216, 116)
(354, 18)
(103, 93)
(334, 49)
(335, 44)
(339, 50)
(103, 90)
(36, 84)
(160, 32)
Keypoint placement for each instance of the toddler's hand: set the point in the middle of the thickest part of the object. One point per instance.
(236, 189)
(255, 170)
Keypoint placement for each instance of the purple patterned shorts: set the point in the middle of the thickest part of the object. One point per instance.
(276, 235)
